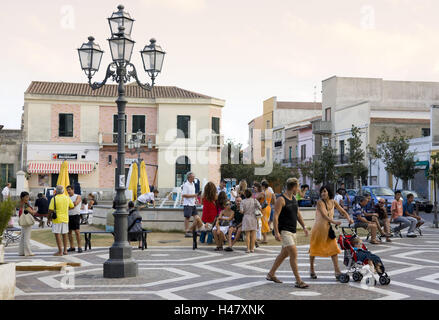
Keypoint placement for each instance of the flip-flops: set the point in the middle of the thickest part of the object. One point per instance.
(301, 285)
(273, 278)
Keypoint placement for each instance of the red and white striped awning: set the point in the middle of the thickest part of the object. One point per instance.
(46, 167)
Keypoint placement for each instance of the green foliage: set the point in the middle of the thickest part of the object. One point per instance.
(433, 173)
(356, 154)
(235, 153)
(394, 152)
(323, 169)
(7, 209)
(306, 169)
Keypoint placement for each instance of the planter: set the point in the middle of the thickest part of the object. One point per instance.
(7, 281)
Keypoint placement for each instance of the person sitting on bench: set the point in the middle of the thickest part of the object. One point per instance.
(221, 229)
(360, 220)
(397, 217)
(134, 224)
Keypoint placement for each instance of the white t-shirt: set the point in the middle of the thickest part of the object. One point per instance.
(5, 192)
(76, 210)
(337, 199)
(189, 189)
(146, 198)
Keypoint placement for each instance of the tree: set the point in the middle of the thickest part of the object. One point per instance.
(394, 152)
(357, 155)
(324, 167)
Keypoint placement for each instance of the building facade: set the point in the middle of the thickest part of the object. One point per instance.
(69, 121)
(11, 156)
(374, 106)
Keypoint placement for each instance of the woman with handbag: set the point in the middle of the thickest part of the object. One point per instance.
(26, 221)
(251, 209)
(323, 240)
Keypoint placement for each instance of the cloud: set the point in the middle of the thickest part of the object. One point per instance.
(179, 5)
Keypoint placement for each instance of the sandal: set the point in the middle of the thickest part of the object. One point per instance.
(313, 275)
(57, 254)
(374, 242)
(301, 285)
(272, 278)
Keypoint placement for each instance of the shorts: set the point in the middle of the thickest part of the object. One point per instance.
(60, 228)
(288, 239)
(74, 222)
(190, 211)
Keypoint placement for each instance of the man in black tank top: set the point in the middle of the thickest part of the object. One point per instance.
(286, 216)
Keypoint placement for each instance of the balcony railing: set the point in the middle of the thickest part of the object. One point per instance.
(321, 127)
(110, 139)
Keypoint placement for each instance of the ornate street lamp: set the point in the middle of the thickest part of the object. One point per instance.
(121, 70)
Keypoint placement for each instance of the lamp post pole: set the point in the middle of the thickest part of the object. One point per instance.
(121, 263)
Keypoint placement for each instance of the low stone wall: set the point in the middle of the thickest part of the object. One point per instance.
(170, 219)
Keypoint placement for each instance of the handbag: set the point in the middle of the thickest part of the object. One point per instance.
(331, 232)
(26, 219)
(258, 212)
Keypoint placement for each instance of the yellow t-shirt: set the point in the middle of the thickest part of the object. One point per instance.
(63, 204)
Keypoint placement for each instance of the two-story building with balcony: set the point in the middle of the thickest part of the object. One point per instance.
(69, 121)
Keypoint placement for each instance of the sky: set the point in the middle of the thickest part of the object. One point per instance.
(242, 51)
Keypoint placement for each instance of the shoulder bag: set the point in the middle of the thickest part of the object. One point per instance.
(258, 212)
(26, 219)
(331, 232)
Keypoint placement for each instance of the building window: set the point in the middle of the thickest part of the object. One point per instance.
(183, 126)
(65, 125)
(342, 151)
(425, 132)
(139, 123)
(216, 131)
(291, 153)
(303, 152)
(116, 127)
(296, 152)
(268, 124)
(6, 174)
(182, 167)
(328, 114)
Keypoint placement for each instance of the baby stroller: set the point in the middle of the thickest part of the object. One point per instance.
(353, 265)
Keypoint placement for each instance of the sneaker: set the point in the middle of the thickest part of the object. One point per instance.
(411, 235)
(228, 249)
(79, 250)
(71, 250)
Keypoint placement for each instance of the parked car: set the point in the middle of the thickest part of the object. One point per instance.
(424, 204)
(378, 192)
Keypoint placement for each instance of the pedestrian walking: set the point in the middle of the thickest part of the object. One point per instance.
(323, 242)
(189, 202)
(286, 216)
(24, 248)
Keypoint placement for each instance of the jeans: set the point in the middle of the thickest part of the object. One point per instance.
(406, 222)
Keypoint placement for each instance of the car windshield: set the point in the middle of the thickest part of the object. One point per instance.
(382, 191)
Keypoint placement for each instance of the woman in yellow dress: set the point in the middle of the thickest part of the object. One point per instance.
(266, 212)
(321, 245)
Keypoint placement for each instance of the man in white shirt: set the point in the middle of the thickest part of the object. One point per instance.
(146, 198)
(189, 199)
(6, 191)
(74, 220)
(222, 187)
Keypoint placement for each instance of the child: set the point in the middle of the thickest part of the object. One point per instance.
(375, 262)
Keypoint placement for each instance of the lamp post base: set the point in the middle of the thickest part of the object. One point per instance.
(121, 264)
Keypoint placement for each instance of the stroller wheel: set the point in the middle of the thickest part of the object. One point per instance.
(344, 278)
(357, 276)
(384, 280)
